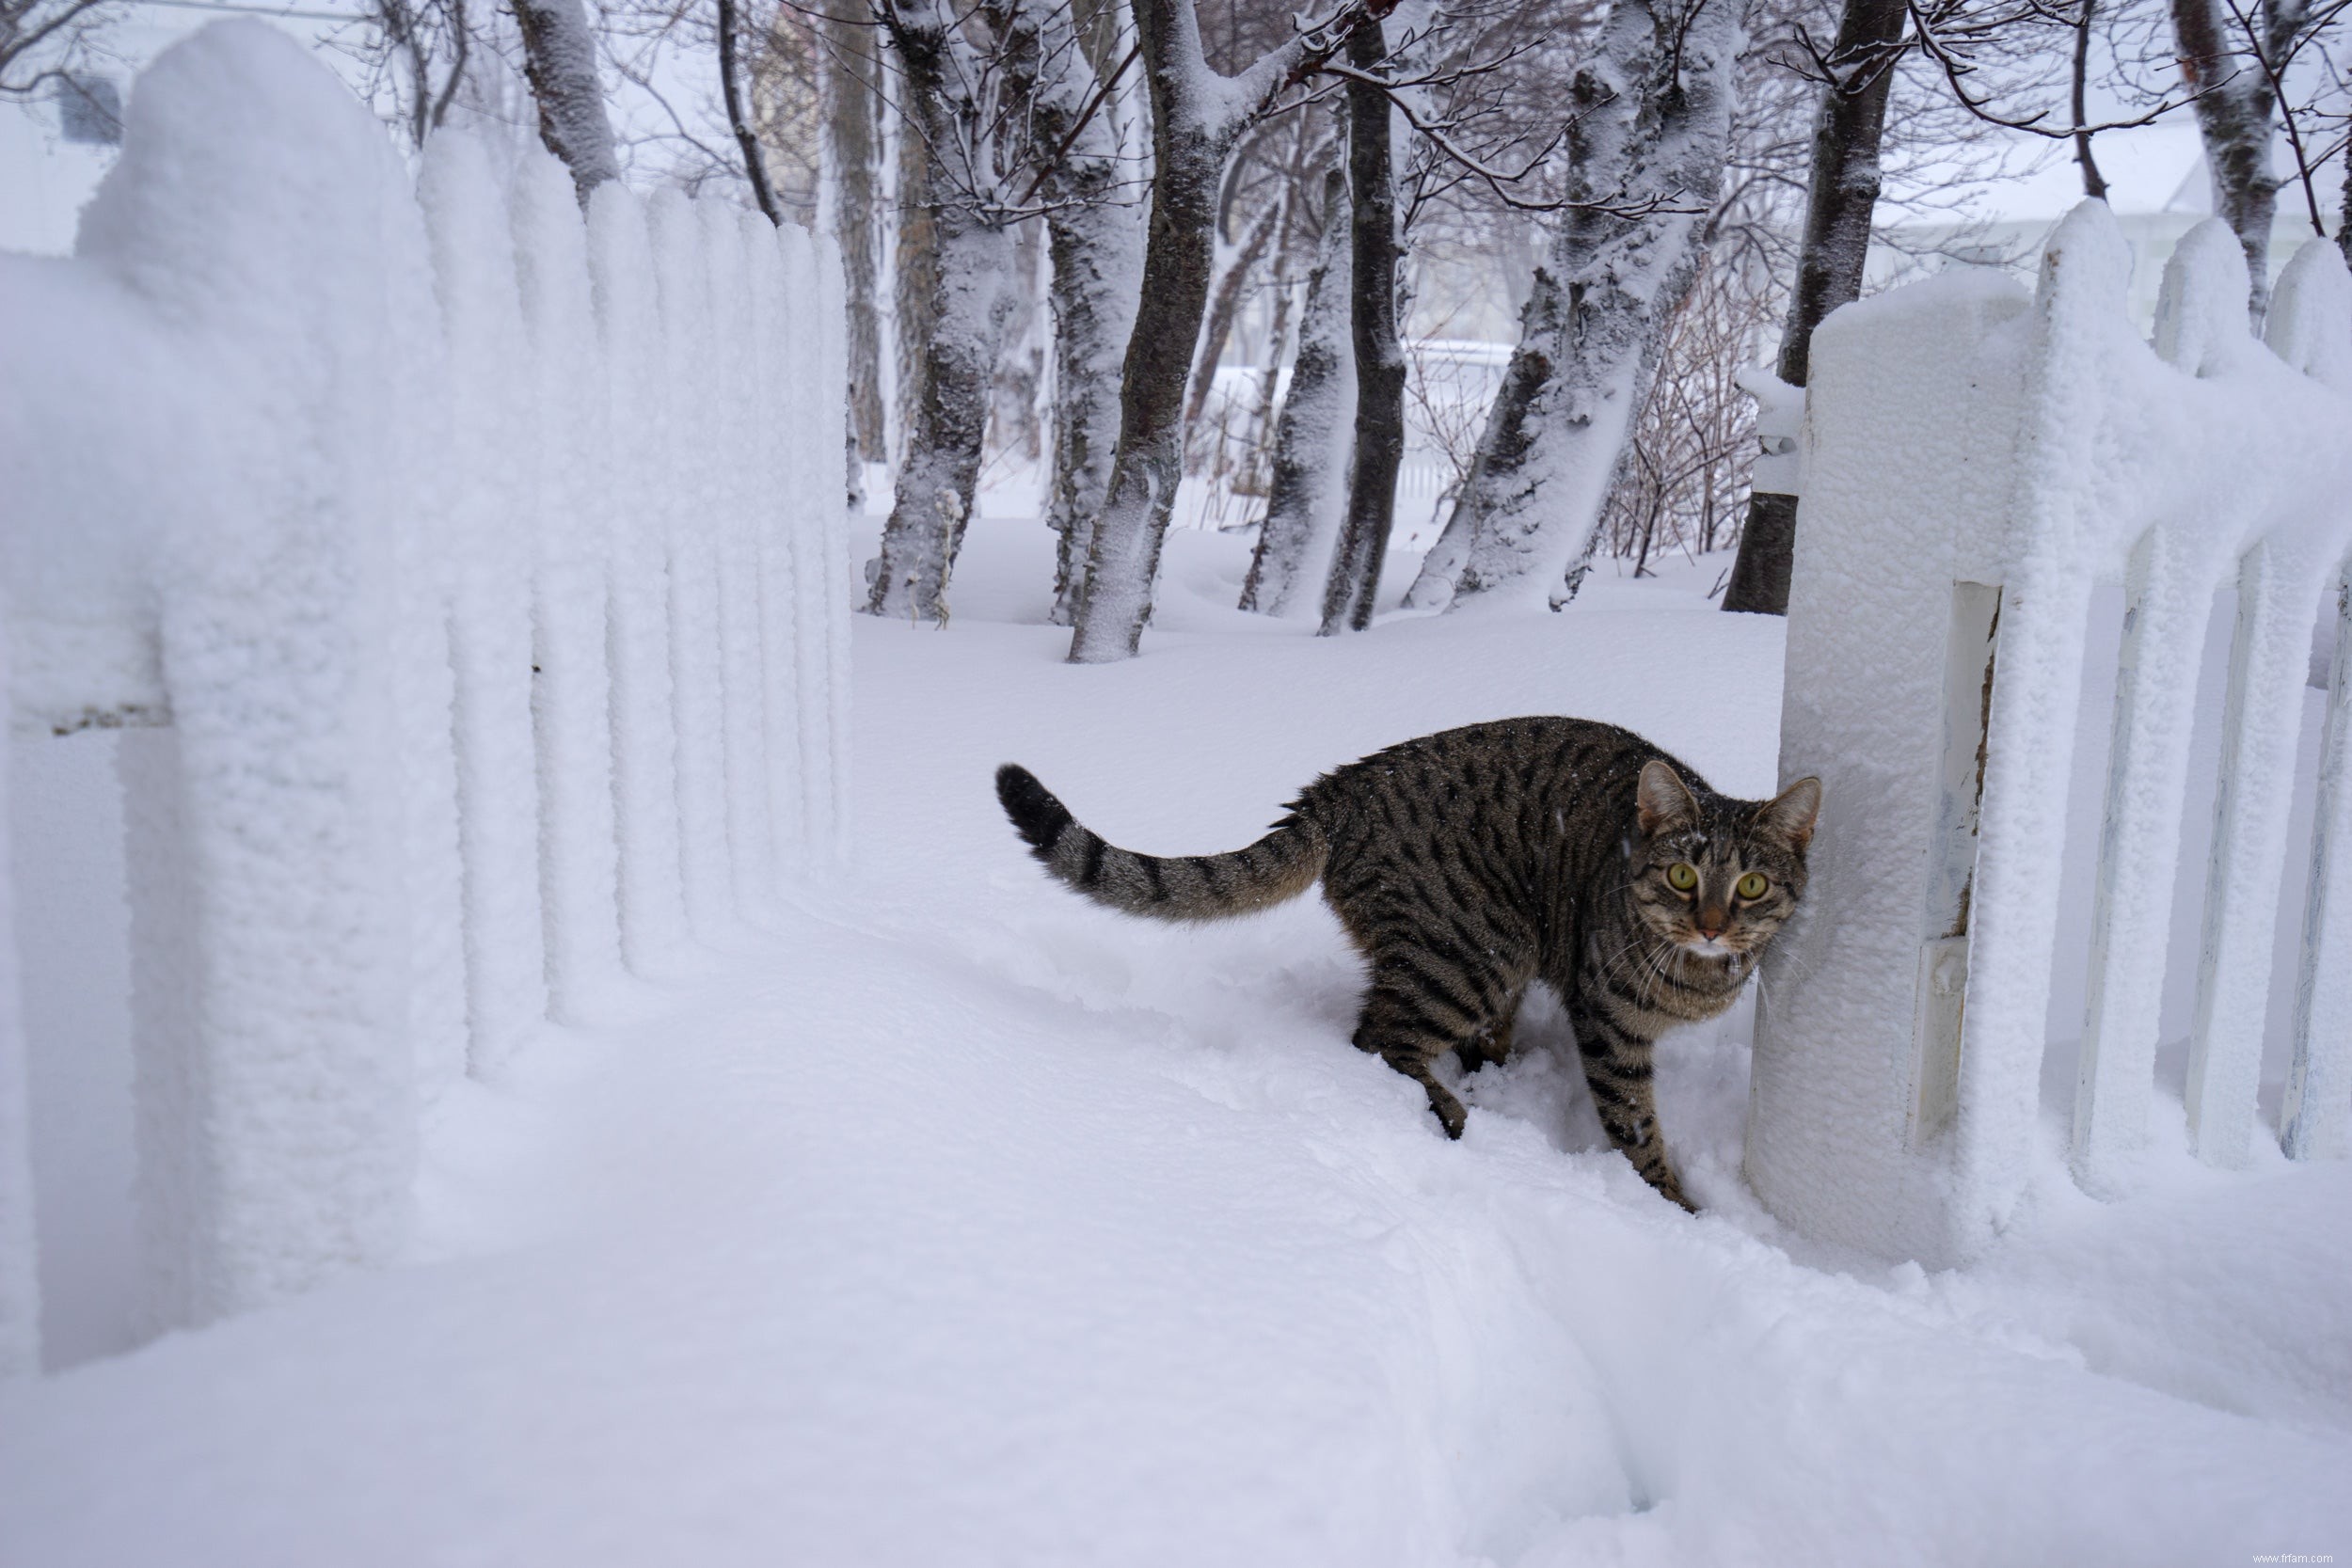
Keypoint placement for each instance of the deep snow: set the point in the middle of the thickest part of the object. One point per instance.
(955, 1221)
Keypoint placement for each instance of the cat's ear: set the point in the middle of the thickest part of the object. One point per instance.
(1790, 814)
(1663, 800)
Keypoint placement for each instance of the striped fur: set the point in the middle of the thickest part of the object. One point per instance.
(1467, 865)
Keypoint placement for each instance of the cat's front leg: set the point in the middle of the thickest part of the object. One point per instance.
(1619, 1070)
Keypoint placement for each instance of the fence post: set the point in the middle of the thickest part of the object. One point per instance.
(277, 236)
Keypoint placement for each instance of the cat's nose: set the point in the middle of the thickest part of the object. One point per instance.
(1712, 923)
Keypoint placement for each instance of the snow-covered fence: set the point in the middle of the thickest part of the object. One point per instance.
(1979, 463)
(471, 583)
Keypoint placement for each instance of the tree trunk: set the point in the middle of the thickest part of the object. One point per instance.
(965, 301)
(914, 273)
(559, 60)
(1374, 261)
(2234, 108)
(1306, 494)
(1652, 123)
(852, 125)
(1190, 146)
(1094, 247)
(1839, 202)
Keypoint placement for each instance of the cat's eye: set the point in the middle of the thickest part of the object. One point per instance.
(1682, 876)
(1753, 885)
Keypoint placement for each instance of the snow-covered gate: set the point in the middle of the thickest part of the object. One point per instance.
(471, 580)
(1978, 461)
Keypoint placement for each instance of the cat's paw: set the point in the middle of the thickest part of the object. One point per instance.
(1448, 1110)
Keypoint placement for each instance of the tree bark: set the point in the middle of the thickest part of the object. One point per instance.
(915, 274)
(1195, 118)
(1840, 200)
(1375, 258)
(560, 62)
(1652, 125)
(852, 128)
(2234, 108)
(1305, 495)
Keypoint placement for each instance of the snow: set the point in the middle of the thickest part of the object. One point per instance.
(1965, 434)
(953, 1220)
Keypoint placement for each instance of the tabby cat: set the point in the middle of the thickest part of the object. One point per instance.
(1467, 864)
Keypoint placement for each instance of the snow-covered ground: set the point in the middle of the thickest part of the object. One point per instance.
(958, 1222)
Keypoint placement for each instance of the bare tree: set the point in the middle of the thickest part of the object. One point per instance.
(950, 113)
(1066, 72)
(852, 144)
(1856, 73)
(1648, 140)
(1307, 488)
(43, 42)
(1197, 118)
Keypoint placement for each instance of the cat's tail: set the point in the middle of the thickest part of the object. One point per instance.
(1283, 864)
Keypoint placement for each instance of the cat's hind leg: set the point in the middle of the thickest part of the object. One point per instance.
(1419, 1009)
(1491, 1046)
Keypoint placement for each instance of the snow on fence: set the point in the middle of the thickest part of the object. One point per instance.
(1979, 464)
(471, 583)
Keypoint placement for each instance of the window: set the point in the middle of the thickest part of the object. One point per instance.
(90, 110)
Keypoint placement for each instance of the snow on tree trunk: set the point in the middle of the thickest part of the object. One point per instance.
(1094, 247)
(1197, 116)
(1311, 437)
(1377, 258)
(1097, 252)
(852, 132)
(560, 60)
(960, 296)
(1652, 125)
(1842, 196)
(2235, 106)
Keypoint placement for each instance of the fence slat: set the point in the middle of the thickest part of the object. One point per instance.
(779, 419)
(697, 667)
(572, 687)
(492, 541)
(2139, 847)
(653, 900)
(2319, 1076)
(2268, 654)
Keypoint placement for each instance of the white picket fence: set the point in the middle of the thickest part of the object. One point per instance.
(1979, 465)
(474, 582)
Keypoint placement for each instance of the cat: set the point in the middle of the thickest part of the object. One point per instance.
(1469, 864)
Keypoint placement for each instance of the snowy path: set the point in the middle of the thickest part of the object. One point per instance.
(959, 1223)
